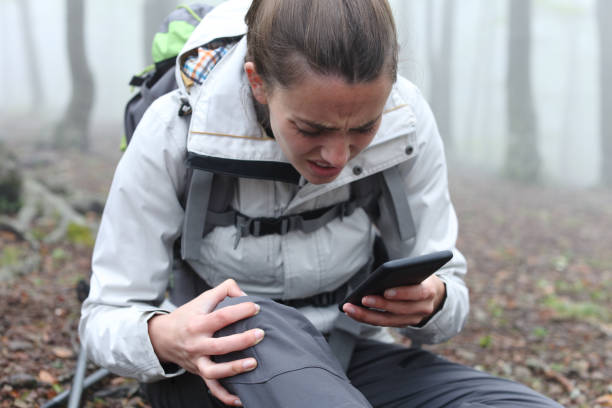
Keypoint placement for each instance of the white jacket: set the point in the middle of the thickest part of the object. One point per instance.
(143, 216)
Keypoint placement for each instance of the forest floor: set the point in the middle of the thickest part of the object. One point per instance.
(540, 278)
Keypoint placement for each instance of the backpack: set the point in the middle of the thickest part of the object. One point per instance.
(158, 79)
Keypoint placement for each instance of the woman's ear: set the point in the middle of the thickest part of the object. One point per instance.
(257, 85)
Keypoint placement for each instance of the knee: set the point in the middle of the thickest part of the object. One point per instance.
(290, 340)
(272, 315)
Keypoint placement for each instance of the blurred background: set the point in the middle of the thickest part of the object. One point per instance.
(466, 56)
(521, 89)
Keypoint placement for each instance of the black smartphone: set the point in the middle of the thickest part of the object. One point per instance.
(398, 272)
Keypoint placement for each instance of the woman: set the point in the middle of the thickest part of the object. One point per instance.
(300, 111)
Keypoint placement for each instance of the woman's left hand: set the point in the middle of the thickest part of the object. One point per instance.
(401, 306)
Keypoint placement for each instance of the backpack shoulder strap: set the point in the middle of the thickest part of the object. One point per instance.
(206, 193)
(394, 199)
(389, 188)
(198, 192)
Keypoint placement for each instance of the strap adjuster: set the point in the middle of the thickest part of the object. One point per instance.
(284, 226)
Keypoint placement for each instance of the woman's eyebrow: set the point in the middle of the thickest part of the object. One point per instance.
(367, 125)
(327, 128)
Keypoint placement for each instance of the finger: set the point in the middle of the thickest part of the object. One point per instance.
(222, 394)
(232, 289)
(230, 314)
(412, 292)
(423, 308)
(381, 318)
(215, 371)
(215, 346)
(229, 287)
(210, 321)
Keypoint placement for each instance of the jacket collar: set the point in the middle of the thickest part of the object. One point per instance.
(224, 21)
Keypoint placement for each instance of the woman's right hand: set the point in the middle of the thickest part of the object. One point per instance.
(185, 337)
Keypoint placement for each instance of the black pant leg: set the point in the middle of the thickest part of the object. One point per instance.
(390, 375)
(184, 391)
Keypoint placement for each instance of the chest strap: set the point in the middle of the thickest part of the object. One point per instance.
(307, 221)
(209, 195)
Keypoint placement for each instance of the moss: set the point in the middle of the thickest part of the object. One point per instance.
(80, 235)
(10, 255)
(486, 341)
(568, 309)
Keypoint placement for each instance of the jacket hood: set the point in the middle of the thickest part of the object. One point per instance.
(224, 21)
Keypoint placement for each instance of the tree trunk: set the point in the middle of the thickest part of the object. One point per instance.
(10, 183)
(604, 14)
(522, 156)
(154, 12)
(34, 83)
(441, 57)
(74, 127)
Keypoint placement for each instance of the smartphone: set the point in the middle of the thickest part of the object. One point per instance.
(398, 272)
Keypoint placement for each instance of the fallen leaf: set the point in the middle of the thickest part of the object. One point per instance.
(605, 400)
(118, 381)
(62, 352)
(21, 404)
(46, 377)
(560, 378)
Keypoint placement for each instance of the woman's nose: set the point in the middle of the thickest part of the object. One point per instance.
(336, 151)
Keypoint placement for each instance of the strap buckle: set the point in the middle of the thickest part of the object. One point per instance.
(243, 225)
(185, 109)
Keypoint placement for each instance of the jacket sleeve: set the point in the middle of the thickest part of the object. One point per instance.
(426, 188)
(132, 258)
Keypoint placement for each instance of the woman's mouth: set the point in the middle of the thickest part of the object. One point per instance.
(323, 169)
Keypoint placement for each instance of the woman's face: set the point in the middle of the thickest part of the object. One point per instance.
(322, 122)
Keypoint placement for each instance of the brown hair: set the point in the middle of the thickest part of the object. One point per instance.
(353, 39)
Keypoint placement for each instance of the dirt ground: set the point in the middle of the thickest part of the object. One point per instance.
(540, 278)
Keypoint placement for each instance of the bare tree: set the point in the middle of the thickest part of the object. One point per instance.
(604, 15)
(441, 58)
(74, 127)
(154, 12)
(522, 155)
(35, 84)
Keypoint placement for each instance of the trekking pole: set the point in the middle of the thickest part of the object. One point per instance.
(79, 383)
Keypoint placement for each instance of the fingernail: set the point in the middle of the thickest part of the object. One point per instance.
(350, 309)
(391, 293)
(257, 308)
(237, 403)
(249, 364)
(369, 301)
(259, 335)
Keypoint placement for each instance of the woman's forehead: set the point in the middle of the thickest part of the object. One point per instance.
(323, 99)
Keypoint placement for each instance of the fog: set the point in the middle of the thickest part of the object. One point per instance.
(565, 72)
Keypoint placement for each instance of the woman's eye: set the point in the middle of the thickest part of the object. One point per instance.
(309, 132)
(366, 130)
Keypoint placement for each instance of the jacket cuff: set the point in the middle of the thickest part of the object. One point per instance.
(153, 369)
